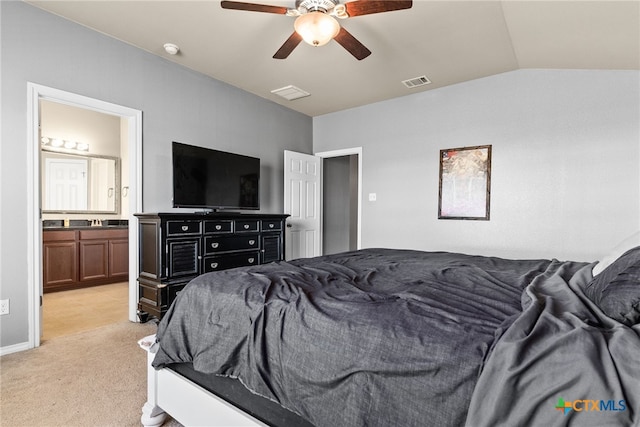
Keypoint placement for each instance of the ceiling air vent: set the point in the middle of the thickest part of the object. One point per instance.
(416, 81)
(290, 92)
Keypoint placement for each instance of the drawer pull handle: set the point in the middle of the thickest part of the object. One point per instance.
(252, 242)
(246, 226)
(185, 227)
(218, 227)
(214, 265)
(215, 245)
(271, 225)
(251, 260)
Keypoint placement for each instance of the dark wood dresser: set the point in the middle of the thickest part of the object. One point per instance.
(176, 247)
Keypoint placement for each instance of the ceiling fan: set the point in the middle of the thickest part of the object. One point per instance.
(316, 23)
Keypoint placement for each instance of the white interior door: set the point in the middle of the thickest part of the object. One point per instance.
(66, 184)
(302, 201)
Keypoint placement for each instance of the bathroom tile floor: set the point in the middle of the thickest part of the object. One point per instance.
(68, 312)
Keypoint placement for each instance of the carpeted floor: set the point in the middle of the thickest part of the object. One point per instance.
(91, 378)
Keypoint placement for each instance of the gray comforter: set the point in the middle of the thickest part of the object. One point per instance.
(563, 362)
(384, 337)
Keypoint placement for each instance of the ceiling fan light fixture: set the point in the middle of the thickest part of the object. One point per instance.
(316, 28)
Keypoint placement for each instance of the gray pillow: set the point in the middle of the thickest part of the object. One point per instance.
(616, 290)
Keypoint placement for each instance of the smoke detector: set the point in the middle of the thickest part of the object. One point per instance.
(171, 48)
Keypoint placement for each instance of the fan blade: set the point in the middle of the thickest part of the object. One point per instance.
(292, 42)
(367, 7)
(352, 44)
(252, 7)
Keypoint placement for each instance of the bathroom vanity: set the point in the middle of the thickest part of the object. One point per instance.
(81, 256)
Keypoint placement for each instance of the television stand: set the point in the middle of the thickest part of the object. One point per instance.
(177, 247)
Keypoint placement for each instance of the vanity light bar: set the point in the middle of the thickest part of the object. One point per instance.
(68, 144)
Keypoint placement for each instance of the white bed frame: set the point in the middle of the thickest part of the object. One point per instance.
(169, 393)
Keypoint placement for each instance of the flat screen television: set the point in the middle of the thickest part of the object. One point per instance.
(214, 180)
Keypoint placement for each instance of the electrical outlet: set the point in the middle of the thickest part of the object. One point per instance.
(4, 307)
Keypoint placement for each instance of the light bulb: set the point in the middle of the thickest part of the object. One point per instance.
(316, 28)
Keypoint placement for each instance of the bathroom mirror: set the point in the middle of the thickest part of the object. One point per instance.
(79, 183)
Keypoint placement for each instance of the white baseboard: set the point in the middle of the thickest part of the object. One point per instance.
(14, 348)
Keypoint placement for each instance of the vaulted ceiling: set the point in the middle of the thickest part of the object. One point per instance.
(447, 41)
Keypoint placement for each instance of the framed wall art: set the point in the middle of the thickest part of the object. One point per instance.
(465, 183)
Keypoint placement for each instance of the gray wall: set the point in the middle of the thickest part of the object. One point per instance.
(566, 162)
(339, 208)
(177, 104)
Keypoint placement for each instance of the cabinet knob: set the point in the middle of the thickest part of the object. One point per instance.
(251, 260)
(185, 227)
(252, 242)
(246, 226)
(214, 265)
(271, 225)
(215, 245)
(218, 227)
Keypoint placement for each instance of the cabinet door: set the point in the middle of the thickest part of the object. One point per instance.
(94, 259)
(60, 260)
(271, 247)
(183, 257)
(119, 259)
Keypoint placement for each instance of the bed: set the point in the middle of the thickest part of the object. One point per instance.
(389, 337)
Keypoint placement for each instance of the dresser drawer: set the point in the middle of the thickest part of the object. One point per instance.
(213, 244)
(52, 236)
(182, 228)
(104, 233)
(271, 225)
(218, 226)
(222, 262)
(246, 225)
(173, 291)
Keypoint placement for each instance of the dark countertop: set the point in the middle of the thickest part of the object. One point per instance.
(83, 224)
(84, 227)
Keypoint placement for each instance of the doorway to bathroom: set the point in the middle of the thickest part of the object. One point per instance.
(84, 205)
(131, 130)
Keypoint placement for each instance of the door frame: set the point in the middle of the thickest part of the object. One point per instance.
(35, 93)
(357, 151)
